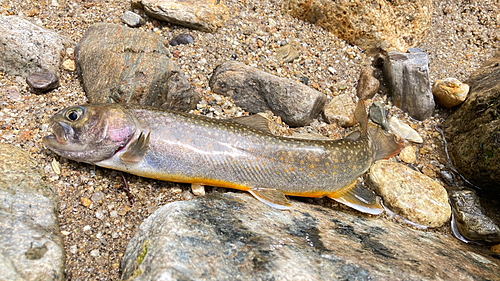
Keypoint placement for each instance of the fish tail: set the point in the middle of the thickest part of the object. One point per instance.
(383, 146)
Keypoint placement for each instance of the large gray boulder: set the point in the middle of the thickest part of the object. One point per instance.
(235, 237)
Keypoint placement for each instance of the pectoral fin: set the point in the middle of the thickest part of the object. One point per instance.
(137, 149)
(271, 197)
(359, 198)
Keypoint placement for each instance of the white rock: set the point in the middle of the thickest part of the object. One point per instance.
(404, 131)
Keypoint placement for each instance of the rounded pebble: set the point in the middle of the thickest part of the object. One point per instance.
(198, 189)
(408, 154)
(42, 81)
(69, 65)
(450, 92)
(182, 38)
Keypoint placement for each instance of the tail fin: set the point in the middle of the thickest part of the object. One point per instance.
(384, 146)
(361, 117)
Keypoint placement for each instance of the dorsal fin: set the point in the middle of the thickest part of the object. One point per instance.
(361, 116)
(137, 149)
(255, 121)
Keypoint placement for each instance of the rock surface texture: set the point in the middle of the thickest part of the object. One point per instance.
(234, 237)
(30, 243)
(205, 15)
(407, 77)
(257, 91)
(125, 65)
(26, 48)
(373, 26)
(473, 131)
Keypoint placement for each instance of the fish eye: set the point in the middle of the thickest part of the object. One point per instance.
(74, 114)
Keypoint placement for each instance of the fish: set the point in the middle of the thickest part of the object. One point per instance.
(239, 153)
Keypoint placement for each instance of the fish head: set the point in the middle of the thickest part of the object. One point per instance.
(90, 133)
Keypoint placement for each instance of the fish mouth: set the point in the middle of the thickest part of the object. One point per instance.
(60, 131)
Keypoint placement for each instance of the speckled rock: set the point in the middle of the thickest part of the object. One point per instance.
(411, 194)
(383, 25)
(32, 247)
(205, 15)
(404, 131)
(408, 154)
(470, 217)
(287, 53)
(367, 84)
(28, 48)
(473, 130)
(42, 81)
(340, 111)
(125, 65)
(378, 114)
(257, 91)
(407, 77)
(132, 19)
(449, 92)
(231, 237)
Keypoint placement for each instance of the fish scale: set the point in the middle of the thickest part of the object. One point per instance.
(187, 148)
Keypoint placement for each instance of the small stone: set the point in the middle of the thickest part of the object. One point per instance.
(408, 154)
(496, 248)
(411, 194)
(12, 92)
(86, 228)
(379, 115)
(340, 111)
(73, 249)
(85, 202)
(132, 19)
(470, 217)
(367, 85)
(187, 195)
(94, 253)
(198, 189)
(287, 53)
(450, 92)
(404, 131)
(65, 233)
(42, 81)
(99, 214)
(56, 167)
(182, 38)
(113, 214)
(304, 80)
(69, 65)
(97, 196)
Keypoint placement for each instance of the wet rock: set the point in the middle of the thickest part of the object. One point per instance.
(340, 111)
(124, 65)
(404, 131)
(408, 154)
(473, 130)
(182, 38)
(449, 92)
(32, 248)
(205, 15)
(367, 84)
(470, 217)
(232, 236)
(132, 19)
(287, 53)
(42, 82)
(411, 194)
(407, 77)
(29, 48)
(379, 115)
(257, 91)
(387, 25)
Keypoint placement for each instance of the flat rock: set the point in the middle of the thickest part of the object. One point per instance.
(257, 91)
(449, 92)
(407, 77)
(132, 19)
(340, 111)
(42, 81)
(124, 65)
(411, 194)
(473, 130)
(204, 15)
(32, 248)
(232, 236)
(404, 131)
(470, 217)
(28, 48)
(384, 25)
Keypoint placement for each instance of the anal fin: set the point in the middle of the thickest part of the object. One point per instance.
(271, 197)
(137, 149)
(359, 198)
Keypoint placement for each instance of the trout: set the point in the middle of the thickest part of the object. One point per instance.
(239, 153)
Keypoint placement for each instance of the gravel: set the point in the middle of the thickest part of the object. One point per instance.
(96, 217)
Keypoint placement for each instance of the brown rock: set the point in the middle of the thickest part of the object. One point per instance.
(449, 92)
(367, 84)
(473, 130)
(257, 91)
(204, 15)
(340, 111)
(373, 26)
(42, 81)
(125, 65)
